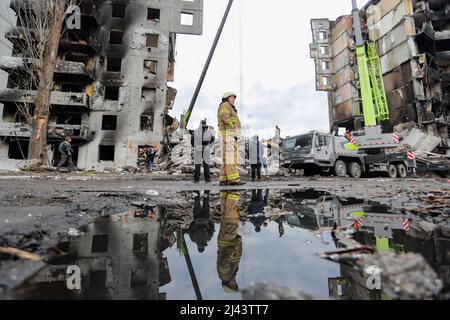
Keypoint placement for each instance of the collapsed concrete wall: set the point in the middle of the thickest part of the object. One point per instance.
(111, 88)
(413, 41)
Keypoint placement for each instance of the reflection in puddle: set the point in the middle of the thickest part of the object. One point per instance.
(225, 242)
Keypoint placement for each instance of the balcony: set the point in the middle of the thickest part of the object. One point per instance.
(71, 40)
(54, 132)
(72, 99)
(77, 69)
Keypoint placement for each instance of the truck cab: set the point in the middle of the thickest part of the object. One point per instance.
(317, 152)
(307, 150)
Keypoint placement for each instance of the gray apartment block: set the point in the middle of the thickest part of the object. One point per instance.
(413, 41)
(110, 88)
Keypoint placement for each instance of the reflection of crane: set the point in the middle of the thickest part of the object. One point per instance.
(198, 294)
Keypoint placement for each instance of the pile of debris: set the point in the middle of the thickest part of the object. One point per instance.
(424, 145)
(180, 159)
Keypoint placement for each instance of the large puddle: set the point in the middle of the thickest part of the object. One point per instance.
(225, 242)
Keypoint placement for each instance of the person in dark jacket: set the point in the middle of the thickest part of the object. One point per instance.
(256, 157)
(65, 148)
(201, 140)
(202, 227)
(256, 208)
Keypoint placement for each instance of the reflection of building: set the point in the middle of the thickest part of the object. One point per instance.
(119, 258)
(110, 87)
(313, 210)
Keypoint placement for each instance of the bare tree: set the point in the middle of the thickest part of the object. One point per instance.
(39, 27)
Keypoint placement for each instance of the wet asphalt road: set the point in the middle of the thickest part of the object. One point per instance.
(37, 211)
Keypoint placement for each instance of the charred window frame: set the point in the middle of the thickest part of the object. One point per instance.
(116, 37)
(106, 152)
(147, 121)
(109, 123)
(112, 93)
(153, 14)
(114, 64)
(119, 10)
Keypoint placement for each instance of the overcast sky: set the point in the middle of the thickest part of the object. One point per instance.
(278, 77)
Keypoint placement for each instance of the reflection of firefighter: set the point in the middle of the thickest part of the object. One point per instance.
(229, 243)
(201, 229)
(256, 209)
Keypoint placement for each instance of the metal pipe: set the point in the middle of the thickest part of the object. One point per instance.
(187, 115)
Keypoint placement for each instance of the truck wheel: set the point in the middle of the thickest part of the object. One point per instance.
(340, 168)
(402, 171)
(392, 171)
(355, 170)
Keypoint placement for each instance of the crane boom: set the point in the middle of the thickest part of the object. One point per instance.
(373, 94)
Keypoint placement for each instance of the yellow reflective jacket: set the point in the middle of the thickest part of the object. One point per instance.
(228, 119)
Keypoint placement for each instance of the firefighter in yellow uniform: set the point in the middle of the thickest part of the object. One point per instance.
(229, 131)
(229, 243)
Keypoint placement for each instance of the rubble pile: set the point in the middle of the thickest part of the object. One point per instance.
(405, 276)
(180, 159)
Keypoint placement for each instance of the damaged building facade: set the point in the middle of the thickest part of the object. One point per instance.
(413, 42)
(110, 90)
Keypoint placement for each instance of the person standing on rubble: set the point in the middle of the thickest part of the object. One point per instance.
(66, 151)
(201, 140)
(256, 157)
(229, 131)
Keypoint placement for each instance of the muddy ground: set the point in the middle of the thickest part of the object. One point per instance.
(40, 210)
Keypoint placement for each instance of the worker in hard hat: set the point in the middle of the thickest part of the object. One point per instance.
(229, 242)
(229, 131)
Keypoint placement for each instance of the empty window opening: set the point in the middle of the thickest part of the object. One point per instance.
(147, 121)
(326, 81)
(106, 153)
(11, 112)
(323, 35)
(152, 40)
(325, 65)
(18, 149)
(118, 10)
(109, 123)
(148, 95)
(150, 67)
(324, 50)
(71, 87)
(97, 279)
(153, 14)
(140, 242)
(116, 37)
(138, 278)
(112, 93)
(99, 243)
(114, 64)
(68, 119)
(187, 19)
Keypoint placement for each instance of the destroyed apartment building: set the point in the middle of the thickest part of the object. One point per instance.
(413, 41)
(110, 88)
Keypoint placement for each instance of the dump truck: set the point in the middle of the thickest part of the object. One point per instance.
(325, 153)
